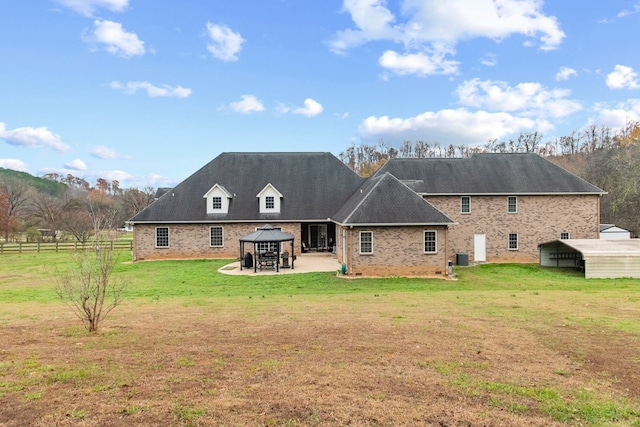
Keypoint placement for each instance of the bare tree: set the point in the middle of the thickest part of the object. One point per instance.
(8, 222)
(529, 142)
(88, 287)
(47, 210)
(77, 221)
(134, 200)
(14, 198)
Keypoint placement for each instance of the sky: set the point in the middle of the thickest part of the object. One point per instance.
(146, 92)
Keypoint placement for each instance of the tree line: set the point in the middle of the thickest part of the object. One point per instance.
(35, 209)
(608, 158)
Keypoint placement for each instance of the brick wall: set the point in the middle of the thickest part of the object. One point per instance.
(539, 219)
(397, 251)
(189, 241)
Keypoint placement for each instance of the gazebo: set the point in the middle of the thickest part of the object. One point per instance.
(266, 237)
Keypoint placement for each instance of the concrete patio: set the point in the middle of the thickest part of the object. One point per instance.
(304, 263)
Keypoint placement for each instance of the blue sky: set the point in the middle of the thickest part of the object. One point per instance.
(148, 91)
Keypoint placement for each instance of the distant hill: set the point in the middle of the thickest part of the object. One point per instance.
(52, 188)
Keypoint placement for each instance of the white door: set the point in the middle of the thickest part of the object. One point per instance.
(479, 247)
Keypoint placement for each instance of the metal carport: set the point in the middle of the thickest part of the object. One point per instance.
(599, 258)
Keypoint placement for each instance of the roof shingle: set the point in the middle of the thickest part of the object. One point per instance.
(495, 173)
(313, 185)
(385, 200)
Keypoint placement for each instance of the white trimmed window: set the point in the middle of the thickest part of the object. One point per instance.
(465, 204)
(512, 204)
(270, 199)
(267, 247)
(565, 235)
(218, 200)
(513, 241)
(430, 242)
(216, 203)
(216, 236)
(162, 237)
(269, 202)
(366, 242)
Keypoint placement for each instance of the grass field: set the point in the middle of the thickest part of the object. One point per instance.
(504, 345)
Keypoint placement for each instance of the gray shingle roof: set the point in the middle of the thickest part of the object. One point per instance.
(510, 173)
(317, 186)
(385, 200)
(314, 186)
(267, 233)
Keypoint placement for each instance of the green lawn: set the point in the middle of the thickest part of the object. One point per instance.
(513, 344)
(28, 277)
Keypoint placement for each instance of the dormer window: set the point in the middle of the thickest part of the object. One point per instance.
(269, 202)
(269, 199)
(218, 200)
(216, 203)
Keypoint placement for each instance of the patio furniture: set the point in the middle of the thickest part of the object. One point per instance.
(268, 260)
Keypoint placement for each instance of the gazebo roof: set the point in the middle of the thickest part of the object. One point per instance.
(267, 234)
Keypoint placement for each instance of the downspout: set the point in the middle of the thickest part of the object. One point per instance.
(446, 245)
(598, 228)
(350, 255)
(135, 246)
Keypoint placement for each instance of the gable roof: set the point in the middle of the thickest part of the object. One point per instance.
(313, 186)
(218, 187)
(612, 228)
(267, 233)
(266, 189)
(496, 173)
(384, 200)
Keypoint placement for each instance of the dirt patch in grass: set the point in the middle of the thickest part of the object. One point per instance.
(331, 361)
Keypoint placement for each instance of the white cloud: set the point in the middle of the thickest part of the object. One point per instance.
(529, 99)
(76, 164)
(140, 181)
(444, 126)
(106, 153)
(14, 164)
(457, 20)
(155, 180)
(152, 90)
(432, 28)
(32, 137)
(88, 7)
(628, 12)
(616, 117)
(247, 104)
(623, 77)
(373, 21)
(117, 175)
(115, 38)
(224, 44)
(565, 73)
(311, 108)
(418, 63)
(489, 60)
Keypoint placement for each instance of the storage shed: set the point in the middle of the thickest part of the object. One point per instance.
(600, 259)
(611, 232)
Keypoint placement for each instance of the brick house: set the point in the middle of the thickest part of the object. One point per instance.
(503, 205)
(408, 219)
